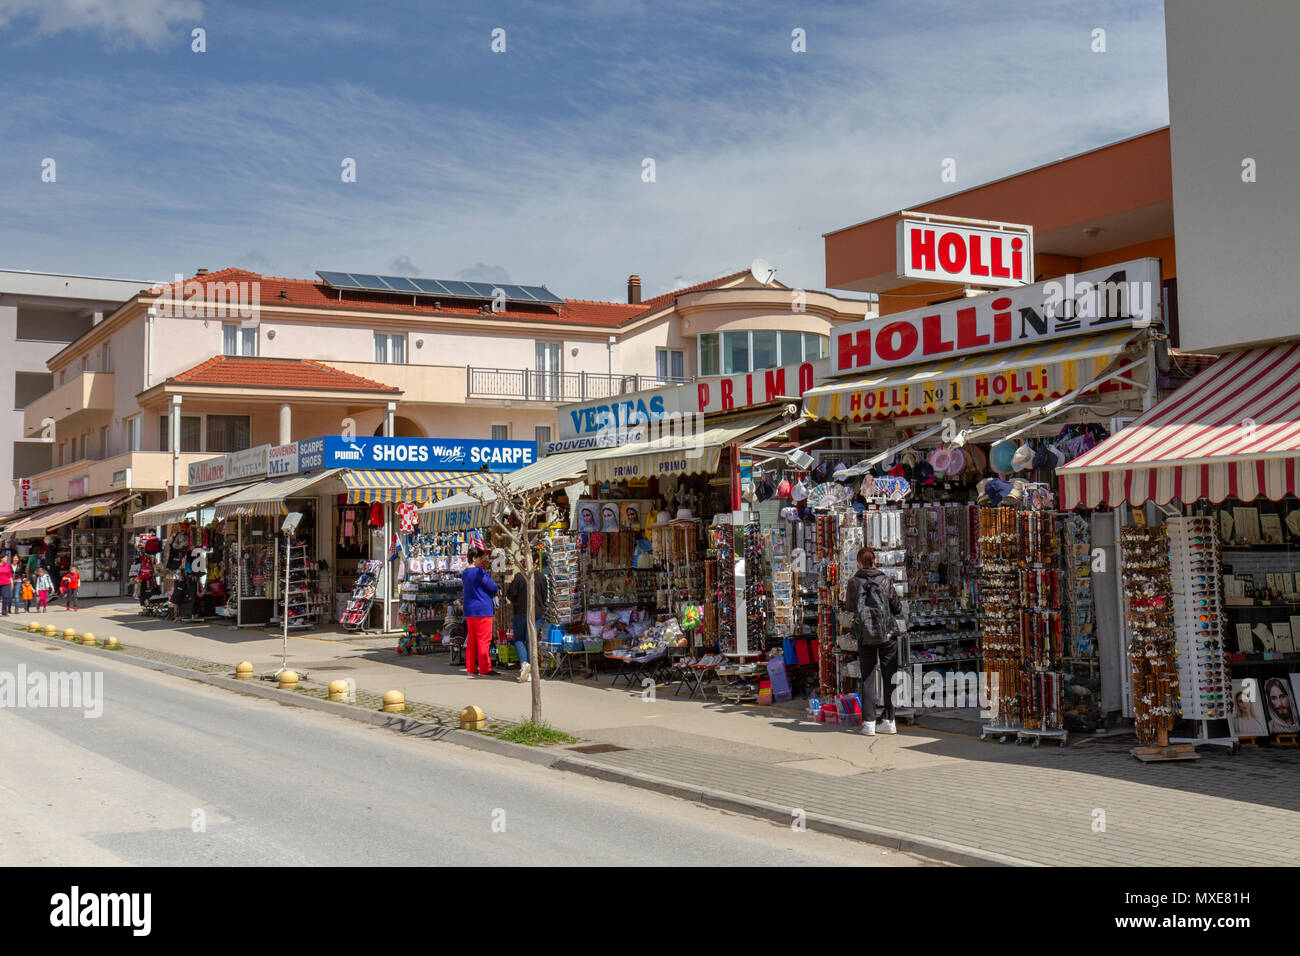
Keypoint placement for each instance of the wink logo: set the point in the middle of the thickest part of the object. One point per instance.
(73, 909)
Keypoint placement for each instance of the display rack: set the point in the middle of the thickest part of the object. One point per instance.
(298, 601)
(1195, 570)
(356, 614)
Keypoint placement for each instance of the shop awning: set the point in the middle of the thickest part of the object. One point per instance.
(56, 516)
(1026, 373)
(1233, 431)
(679, 453)
(370, 486)
(175, 509)
(463, 511)
(266, 498)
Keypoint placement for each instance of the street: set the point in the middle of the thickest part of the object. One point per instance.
(182, 774)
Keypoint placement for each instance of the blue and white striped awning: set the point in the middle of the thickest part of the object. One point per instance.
(419, 486)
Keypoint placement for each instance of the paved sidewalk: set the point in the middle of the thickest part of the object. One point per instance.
(1036, 806)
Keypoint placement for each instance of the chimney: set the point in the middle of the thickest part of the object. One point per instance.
(634, 290)
(200, 272)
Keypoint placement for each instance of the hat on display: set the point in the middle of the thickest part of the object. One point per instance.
(940, 459)
(1016, 494)
(995, 489)
(1023, 457)
(684, 514)
(822, 472)
(662, 517)
(925, 473)
(790, 513)
(1001, 456)
(976, 460)
(800, 491)
(956, 462)
(1058, 456)
(783, 489)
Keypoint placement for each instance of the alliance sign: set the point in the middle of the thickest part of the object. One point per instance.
(996, 254)
(1099, 300)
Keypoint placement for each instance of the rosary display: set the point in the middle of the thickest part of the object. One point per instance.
(999, 553)
(1152, 650)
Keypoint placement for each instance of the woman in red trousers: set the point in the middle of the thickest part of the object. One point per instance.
(479, 589)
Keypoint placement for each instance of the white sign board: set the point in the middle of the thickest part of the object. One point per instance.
(999, 254)
(1100, 300)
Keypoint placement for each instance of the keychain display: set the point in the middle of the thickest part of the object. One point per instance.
(1152, 649)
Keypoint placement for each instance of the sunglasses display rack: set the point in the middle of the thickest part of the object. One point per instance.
(1195, 572)
(942, 624)
(1153, 646)
(562, 559)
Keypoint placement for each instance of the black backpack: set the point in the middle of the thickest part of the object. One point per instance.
(873, 618)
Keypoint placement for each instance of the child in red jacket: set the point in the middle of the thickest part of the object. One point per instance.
(71, 581)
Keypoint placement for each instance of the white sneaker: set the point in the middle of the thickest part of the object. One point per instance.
(869, 728)
(888, 727)
(524, 673)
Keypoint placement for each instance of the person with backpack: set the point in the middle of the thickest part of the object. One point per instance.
(875, 604)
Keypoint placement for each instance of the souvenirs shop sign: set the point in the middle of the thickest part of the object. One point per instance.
(1088, 302)
(1001, 254)
(611, 417)
(415, 454)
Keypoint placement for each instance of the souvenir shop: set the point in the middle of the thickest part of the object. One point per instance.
(87, 532)
(1203, 487)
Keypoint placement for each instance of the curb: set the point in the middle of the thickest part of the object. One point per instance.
(941, 850)
(395, 722)
(565, 760)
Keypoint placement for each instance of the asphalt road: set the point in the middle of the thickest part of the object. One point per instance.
(178, 773)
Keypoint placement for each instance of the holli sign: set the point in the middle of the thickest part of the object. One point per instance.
(999, 254)
(1100, 300)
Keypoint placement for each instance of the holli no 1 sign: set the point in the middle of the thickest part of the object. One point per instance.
(1111, 297)
(999, 254)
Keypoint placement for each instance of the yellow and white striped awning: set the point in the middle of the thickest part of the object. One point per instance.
(1028, 373)
(419, 486)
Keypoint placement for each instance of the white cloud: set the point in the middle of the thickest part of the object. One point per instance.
(120, 23)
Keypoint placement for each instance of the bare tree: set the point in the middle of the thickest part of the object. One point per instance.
(517, 514)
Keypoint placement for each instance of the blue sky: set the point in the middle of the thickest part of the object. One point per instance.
(527, 164)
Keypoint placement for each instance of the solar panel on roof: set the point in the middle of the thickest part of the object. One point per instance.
(431, 286)
(458, 288)
(400, 284)
(518, 293)
(542, 294)
(483, 289)
(369, 282)
(339, 280)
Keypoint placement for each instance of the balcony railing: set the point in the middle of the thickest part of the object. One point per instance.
(532, 385)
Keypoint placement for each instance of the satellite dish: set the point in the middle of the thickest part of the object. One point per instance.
(762, 270)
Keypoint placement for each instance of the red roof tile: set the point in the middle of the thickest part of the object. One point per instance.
(249, 372)
(314, 293)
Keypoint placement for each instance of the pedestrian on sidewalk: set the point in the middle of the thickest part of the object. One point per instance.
(28, 593)
(6, 586)
(517, 592)
(479, 590)
(71, 581)
(43, 588)
(874, 604)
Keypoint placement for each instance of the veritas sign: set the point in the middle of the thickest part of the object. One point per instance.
(999, 254)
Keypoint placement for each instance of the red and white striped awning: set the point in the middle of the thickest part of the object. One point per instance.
(1231, 432)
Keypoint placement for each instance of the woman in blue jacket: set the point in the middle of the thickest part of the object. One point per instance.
(479, 589)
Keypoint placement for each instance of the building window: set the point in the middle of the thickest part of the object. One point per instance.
(131, 433)
(735, 352)
(236, 340)
(763, 350)
(500, 432)
(791, 348)
(191, 433)
(29, 386)
(108, 358)
(709, 364)
(670, 363)
(390, 348)
(542, 435)
(103, 441)
(227, 432)
(814, 346)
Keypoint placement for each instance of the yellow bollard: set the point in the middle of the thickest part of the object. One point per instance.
(473, 718)
(288, 680)
(244, 670)
(33, 626)
(88, 638)
(69, 634)
(51, 630)
(394, 702)
(111, 641)
(338, 690)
